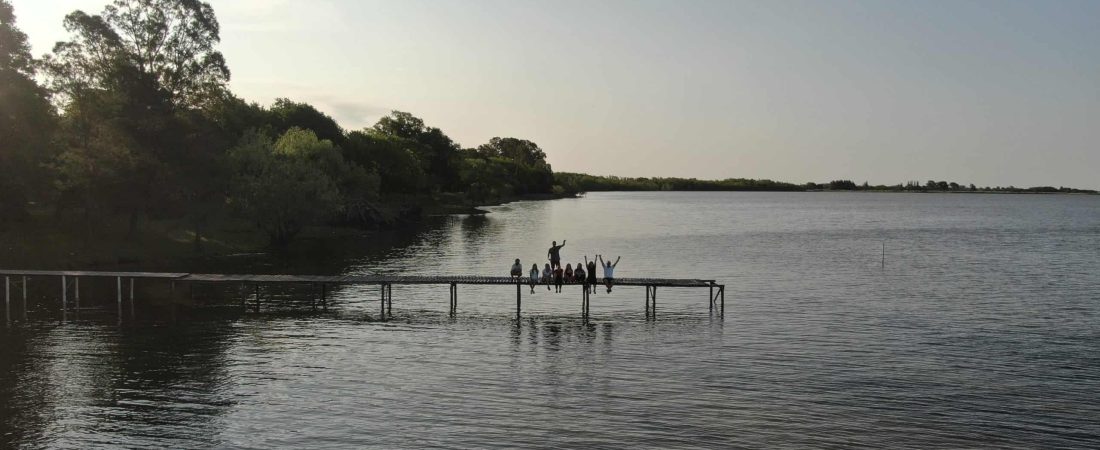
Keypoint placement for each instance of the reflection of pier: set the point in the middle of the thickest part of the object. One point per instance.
(124, 287)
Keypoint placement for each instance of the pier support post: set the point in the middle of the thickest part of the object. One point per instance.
(389, 300)
(313, 296)
(722, 294)
(647, 301)
(24, 299)
(64, 297)
(76, 293)
(711, 302)
(519, 296)
(454, 299)
(653, 304)
(132, 315)
(382, 288)
(7, 300)
(118, 290)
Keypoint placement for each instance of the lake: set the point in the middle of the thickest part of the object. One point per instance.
(977, 326)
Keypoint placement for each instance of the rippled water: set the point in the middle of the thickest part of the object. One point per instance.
(979, 328)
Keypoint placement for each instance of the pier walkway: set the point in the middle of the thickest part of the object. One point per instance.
(321, 284)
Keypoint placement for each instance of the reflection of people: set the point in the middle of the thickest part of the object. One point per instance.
(535, 277)
(609, 271)
(547, 274)
(554, 253)
(517, 269)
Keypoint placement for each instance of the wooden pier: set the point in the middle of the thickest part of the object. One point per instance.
(124, 281)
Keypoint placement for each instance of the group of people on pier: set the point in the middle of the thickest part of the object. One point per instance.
(553, 272)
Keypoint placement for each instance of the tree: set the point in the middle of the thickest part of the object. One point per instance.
(141, 67)
(435, 150)
(287, 114)
(26, 121)
(282, 185)
(519, 150)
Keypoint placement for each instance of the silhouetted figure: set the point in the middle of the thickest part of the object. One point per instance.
(547, 275)
(608, 271)
(559, 276)
(568, 273)
(578, 274)
(591, 282)
(555, 253)
(534, 275)
(517, 269)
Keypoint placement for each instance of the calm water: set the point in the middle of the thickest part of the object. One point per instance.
(982, 330)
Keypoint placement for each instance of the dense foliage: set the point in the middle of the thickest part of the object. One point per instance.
(134, 119)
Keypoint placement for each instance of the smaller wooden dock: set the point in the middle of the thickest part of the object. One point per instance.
(320, 285)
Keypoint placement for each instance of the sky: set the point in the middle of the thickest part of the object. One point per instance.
(986, 92)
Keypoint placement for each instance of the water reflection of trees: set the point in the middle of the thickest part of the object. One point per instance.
(139, 387)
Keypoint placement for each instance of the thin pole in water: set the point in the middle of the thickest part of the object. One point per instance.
(7, 300)
(883, 254)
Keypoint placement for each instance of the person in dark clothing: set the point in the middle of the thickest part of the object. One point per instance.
(555, 253)
(559, 277)
(591, 272)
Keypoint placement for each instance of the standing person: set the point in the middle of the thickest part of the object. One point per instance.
(591, 273)
(517, 269)
(547, 275)
(578, 274)
(609, 271)
(555, 253)
(559, 274)
(568, 273)
(535, 277)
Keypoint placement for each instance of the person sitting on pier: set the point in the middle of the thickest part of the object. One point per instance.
(609, 271)
(555, 253)
(547, 275)
(591, 284)
(578, 274)
(535, 277)
(517, 269)
(559, 276)
(568, 273)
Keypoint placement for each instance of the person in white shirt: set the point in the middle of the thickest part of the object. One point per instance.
(608, 271)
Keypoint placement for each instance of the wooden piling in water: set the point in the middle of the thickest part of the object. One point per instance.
(24, 298)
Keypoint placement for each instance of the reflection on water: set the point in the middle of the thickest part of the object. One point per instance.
(981, 330)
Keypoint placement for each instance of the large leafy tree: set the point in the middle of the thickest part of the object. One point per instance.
(142, 67)
(436, 151)
(26, 120)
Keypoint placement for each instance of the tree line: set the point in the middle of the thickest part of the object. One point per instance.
(132, 116)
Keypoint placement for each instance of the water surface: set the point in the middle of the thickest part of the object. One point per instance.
(979, 328)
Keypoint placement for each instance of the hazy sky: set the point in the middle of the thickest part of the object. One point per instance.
(990, 92)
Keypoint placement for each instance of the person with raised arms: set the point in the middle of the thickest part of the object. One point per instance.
(555, 253)
(608, 271)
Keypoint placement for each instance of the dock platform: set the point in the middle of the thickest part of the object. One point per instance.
(321, 283)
